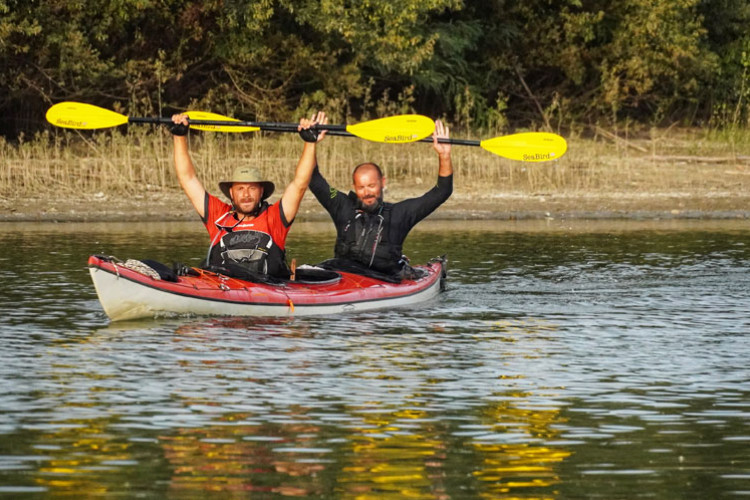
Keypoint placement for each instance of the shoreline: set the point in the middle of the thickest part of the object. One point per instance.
(174, 206)
(678, 174)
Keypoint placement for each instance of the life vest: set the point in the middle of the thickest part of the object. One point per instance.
(248, 245)
(364, 239)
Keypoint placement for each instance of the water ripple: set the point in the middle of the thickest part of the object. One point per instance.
(570, 365)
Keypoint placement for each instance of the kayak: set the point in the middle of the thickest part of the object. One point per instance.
(128, 291)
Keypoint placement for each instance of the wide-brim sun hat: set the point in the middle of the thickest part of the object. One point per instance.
(247, 174)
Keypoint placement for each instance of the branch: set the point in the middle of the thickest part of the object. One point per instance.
(619, 139)
(533, 97)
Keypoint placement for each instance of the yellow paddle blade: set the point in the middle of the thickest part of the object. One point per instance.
(527, 146)
(83, 116)
(205, 115)
(394, 129)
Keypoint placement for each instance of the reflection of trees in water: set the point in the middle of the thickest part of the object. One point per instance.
(423, 441)
(513, 456)
(242, 458)
(492, 449)
(374, 453)
(395, 455)
(410, 454)
(386, 449)
(82, 457)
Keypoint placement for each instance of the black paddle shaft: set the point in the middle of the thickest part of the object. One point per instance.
(271, 126)
(335, 130)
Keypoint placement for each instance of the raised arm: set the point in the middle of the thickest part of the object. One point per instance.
(415, 209)
(184, 168)
(443, 149)
(294, 192)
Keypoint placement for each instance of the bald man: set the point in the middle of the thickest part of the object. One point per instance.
(370, 232)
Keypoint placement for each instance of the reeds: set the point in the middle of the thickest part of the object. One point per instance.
(74, 163)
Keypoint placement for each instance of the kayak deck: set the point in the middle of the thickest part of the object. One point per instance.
(127, 293)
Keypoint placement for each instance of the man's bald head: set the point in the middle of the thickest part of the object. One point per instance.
(366, 167)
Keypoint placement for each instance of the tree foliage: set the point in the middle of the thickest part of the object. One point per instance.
(478, 63)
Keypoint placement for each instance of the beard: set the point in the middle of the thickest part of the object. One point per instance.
(372, 207)
(248, 207)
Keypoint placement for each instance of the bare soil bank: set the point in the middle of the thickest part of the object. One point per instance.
(173, 206)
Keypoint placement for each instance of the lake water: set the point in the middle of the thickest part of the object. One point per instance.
(565, 360)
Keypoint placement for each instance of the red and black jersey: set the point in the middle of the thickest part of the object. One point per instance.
(256, 243)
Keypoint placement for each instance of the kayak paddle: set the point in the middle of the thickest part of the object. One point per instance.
(392, 129)
(525, 146)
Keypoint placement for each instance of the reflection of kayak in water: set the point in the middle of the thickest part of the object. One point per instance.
(132, 290)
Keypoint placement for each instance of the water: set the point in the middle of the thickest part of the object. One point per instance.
(595, 360)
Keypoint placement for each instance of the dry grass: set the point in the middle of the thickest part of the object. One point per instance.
(76, 164)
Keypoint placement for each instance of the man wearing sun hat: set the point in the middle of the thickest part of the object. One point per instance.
(248, 236)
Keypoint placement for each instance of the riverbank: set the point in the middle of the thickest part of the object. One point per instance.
(174, 206)
(651, 174)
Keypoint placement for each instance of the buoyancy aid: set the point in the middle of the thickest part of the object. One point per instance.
(364, 239)
(252, 249)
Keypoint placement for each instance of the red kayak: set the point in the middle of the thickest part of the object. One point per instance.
(131, 289)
